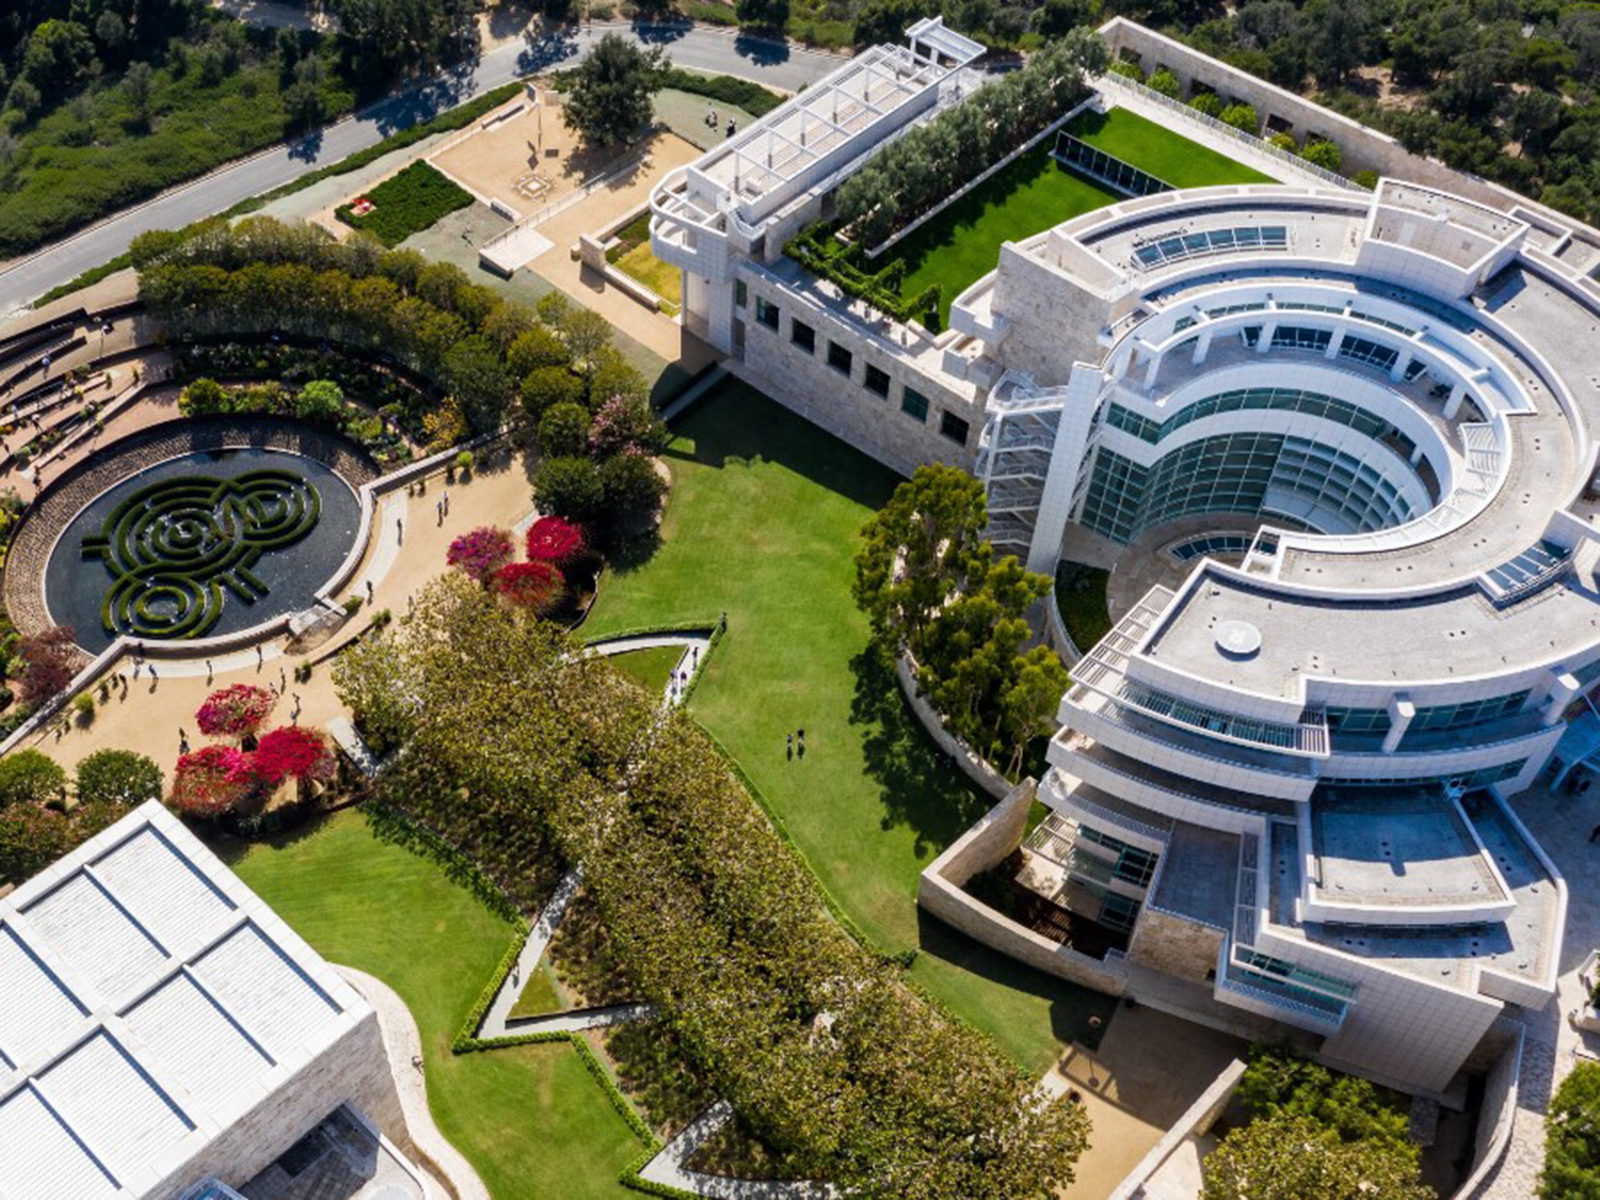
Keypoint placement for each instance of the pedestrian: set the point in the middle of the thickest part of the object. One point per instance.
(438, 510)
(182, 736)
(296, 696)
(283, 680)
(789, 749)
(1594, 833)
(400, 530)
(694, 656)
(445, 500)
(261, 657)
(369, 591)
(411, 605)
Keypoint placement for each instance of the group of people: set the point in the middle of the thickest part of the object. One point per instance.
(713, 118)
(796, 746)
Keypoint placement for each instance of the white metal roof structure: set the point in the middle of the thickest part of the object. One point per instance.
(150, 1000)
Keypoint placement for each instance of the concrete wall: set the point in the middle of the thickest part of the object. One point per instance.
(1195, 1122)
(986, 843)
(355, 1069)
(1498, 1109)
(975, 767)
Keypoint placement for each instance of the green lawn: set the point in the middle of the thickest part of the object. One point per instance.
(650, 667)
(962, 244)
(538, 995)
(1151, 147)
(530, 1118)
(763, 524)
(1081, 601)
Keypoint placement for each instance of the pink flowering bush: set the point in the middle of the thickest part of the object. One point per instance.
(211, 781)
(292, 752)
(480, 553)
(236, 711)
(555, 540)
(626, 425)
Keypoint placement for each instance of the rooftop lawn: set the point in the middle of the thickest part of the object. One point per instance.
(1169, 156)
(763, 523)
(962, 244)
(530, 1119)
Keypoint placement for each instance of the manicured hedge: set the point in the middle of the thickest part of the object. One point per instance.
(740, 93)
(407, 203)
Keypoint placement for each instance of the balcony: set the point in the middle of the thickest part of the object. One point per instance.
(1293, 1006)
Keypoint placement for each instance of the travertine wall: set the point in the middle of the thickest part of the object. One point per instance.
(355, 1070)
(1167, 942)
(1054, 319)
(986, 843)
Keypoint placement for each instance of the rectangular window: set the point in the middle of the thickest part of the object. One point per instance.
(766, 312)
(804, 336)
(741, 294)
(877, 381)
(954, 428)
(913, 403)
(839, 358)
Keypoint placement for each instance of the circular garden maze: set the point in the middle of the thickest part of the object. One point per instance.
(173, 547)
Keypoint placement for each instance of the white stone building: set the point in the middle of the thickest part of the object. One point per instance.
(1347, 437)
(164, 1034)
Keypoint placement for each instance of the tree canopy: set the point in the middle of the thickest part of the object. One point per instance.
(610, 93)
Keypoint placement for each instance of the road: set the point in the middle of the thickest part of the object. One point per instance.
(773, 63)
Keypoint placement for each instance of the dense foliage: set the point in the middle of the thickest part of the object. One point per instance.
(268, 278)
(930, 583)
(117, 777)
(236, 711)
(31, 777)
(406, 203)
(47, 663)
(480, 552)
(292, 752)
(554, 540)
(211, 781)
(1314, 1132)
(609, 94)
(1572, 1136)
(828, 1055)
(728, 89)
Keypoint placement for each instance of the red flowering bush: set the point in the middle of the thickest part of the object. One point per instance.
(293, 752)
(555, 540)
(532, 585)
(481, 552)
(211, 781)
(236, 711)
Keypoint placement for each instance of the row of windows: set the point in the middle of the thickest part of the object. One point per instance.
(1212, 241)
(1295, 400)
(1444, 717)
(1298, 337)
(1107, 167)
(1214, 543)
(1464, 780)
(1298, 976)
(875, 379)
(1233, 473)
(1211, 720)
(1134, 865)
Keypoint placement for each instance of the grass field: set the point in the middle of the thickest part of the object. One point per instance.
(1151, 147)
(650, 667)
(1081, 601)
(962, 244)
(530, 1119)
(538, 995)
(406, 203)
(763, 523)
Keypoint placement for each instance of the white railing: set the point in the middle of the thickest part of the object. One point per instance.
(1255, 143)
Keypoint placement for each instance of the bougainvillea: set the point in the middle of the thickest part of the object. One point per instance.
(293, 752)
(556, 540)
(235, 711)
(531, 585)
(626, 425)
(211, 781)
(480, 553)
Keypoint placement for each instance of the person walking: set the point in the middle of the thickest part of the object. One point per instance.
(1594, 833)
(789, 747)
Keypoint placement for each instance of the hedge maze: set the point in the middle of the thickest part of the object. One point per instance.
(173, 547)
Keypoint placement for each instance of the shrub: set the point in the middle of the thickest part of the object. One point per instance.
(49, 662)
(352, 605)
(293, 752)
(554, 540)
(30, 777)
(321, 401)
(1367, 179)
(83, 707)
(1208, 103)
(1128, 70)
(118, 777)
(203, 398)
(568, 487)
(1242, 117)
(1572, 1147)
(740, 93)
(564, 430)
(1326, 155)
(211, 781)
(465, 461)
(236, 711)
(536, 586)
(630, 485)
(31, 838)
(481, 552)
(1284, 141)
(1165, 82)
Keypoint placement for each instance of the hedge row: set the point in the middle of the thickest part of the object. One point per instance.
(817, 250)
(407, 203)
(740, 93)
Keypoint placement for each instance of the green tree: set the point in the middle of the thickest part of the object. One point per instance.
(545, 387)
(31, 838)
(630, 486)
(118, 777)
(1165, 82)
(535, 348)
(1029, 704)
(30, 777)
(139, 83)
(320, 401)
(1337, 32)
(587, 333)
(480, 382)
(1208, 103)
(609, 94)
(1056, 17)
(568, 487)
(1572, 1137)
(917, 549)
(1326, 155)
(762, 14)
(408, 36)
(1241, 116)
(564, 431)
(1289, 1157)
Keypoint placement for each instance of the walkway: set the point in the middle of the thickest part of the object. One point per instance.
(668, 1170)
(403, 1044)
(696, 647)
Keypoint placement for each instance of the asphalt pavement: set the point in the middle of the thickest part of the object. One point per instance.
(774, 63)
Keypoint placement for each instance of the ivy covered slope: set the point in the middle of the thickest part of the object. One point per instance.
(827, 1053)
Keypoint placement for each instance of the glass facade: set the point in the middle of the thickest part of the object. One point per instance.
(1444, 717)
(1467, 780)
(1108, 167)
(1133, 866)
(1234, 473)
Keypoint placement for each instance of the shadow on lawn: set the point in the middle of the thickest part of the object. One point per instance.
(1071, 1006)
(922, 787)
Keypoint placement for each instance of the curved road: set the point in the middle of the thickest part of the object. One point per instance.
(776, 64)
